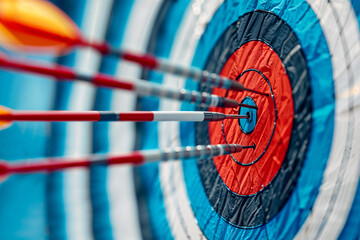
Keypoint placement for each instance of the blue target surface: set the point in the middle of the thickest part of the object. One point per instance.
(247, 125)
(303, 23)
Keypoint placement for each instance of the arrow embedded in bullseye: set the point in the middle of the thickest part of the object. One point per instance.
(8, 116)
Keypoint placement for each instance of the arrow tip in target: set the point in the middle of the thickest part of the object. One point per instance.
(36, 25)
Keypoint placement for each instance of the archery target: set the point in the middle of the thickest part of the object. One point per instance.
(295, 51)
(301, 180)
(256, 178)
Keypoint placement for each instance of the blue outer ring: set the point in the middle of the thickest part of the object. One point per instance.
(298, 15)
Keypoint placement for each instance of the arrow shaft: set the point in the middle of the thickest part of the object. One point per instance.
(140, 87)
(96, 116)
(56, 116)
(151, 62)
(139, 157)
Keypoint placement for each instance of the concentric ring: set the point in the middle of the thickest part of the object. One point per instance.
(213, 225)
(262, 195)
(269, 117)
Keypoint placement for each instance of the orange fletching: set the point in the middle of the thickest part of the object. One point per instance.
(4, 124)
(36, 25)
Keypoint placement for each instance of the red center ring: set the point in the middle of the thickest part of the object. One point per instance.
(256, 63)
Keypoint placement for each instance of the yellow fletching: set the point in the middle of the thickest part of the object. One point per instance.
(24, 22)
(4, 124)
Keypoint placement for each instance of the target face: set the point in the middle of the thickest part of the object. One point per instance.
(249, 178)
(247, 194)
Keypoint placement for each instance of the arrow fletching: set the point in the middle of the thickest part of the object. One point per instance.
(22, 26)
(4, 123)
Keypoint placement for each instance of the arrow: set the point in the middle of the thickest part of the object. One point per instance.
(138, 157)
(27, 32)
(8, 116)
(138, 86)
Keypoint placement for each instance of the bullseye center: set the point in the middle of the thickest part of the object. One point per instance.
(247, 125)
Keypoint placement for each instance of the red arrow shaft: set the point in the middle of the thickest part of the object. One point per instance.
(65, 73)
(147, 61)
(55, 164)
(63, 116)
(57, 71)
(51, 116)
